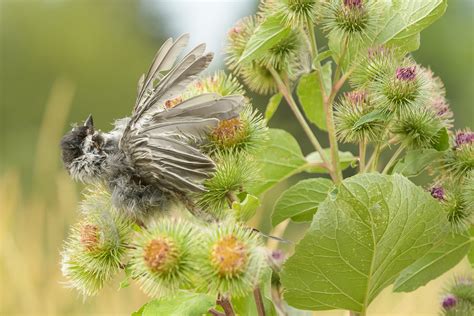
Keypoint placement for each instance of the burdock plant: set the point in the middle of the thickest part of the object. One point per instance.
(371, 224)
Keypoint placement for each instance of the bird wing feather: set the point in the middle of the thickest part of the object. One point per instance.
(160, 142)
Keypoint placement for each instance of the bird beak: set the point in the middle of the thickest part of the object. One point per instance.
(89, 123)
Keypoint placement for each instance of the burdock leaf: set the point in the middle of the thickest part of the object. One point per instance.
(311, 99)
(301, 201)
(415, 161)
(315, 162)
(321, 56)
(376, 115)
(272, 106)
(183, 304)
(280, 158)
(437, 261)
(367, 231)
(267, 34)
(246, 209)
(406, 18)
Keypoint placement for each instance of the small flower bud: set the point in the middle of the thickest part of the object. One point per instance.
(349, 111)
(417, 127)
(355, 19)
(247, 132)
(459, 297)
(235, 172)
(295, 13)
(220, 83)
(459, 161)
(94, 251)
(453, 199)
(376, 65)
(163, 260)
(231, 259)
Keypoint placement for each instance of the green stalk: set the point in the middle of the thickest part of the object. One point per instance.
(328, 106)
(312, 39)
(393, 159)
(284, 90)
(362, 152)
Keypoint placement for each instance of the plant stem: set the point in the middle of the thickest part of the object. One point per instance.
(257, 295)
(328, 107)
(362, 152)
(393, 159)
(231, 198)
(213, 312)
(312, 39)
(374, 158)
(284, 90)
(226, 305)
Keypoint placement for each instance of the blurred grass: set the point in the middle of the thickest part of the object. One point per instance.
(61, 60)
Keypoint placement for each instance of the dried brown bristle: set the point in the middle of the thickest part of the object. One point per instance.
(229, 256)
(160, 255)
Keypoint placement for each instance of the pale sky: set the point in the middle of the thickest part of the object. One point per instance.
(206, 20)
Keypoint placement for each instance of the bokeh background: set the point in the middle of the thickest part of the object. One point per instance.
(63, 59)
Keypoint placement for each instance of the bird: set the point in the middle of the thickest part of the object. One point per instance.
(153, 157)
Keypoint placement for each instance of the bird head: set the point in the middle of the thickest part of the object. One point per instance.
(82, 151)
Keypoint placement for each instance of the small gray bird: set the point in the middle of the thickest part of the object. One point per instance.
(153, 156)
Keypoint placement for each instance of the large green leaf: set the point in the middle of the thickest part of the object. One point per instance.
(311, 99)
(406, 18)
(267, 34)
(280, 158)
(434, 263)
(364, 234)
(301, 201)
(184, 304)
(415, 161)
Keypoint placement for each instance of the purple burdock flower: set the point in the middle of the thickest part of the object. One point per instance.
(449, 301)
(463, 138)
(357, 97)
(440, 106)
(378, 51)
(437, 193)
(353, 3)
(406, 73)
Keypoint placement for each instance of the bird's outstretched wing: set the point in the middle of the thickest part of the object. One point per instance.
(158, 140)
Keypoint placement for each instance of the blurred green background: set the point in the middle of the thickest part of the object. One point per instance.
(61, 60)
